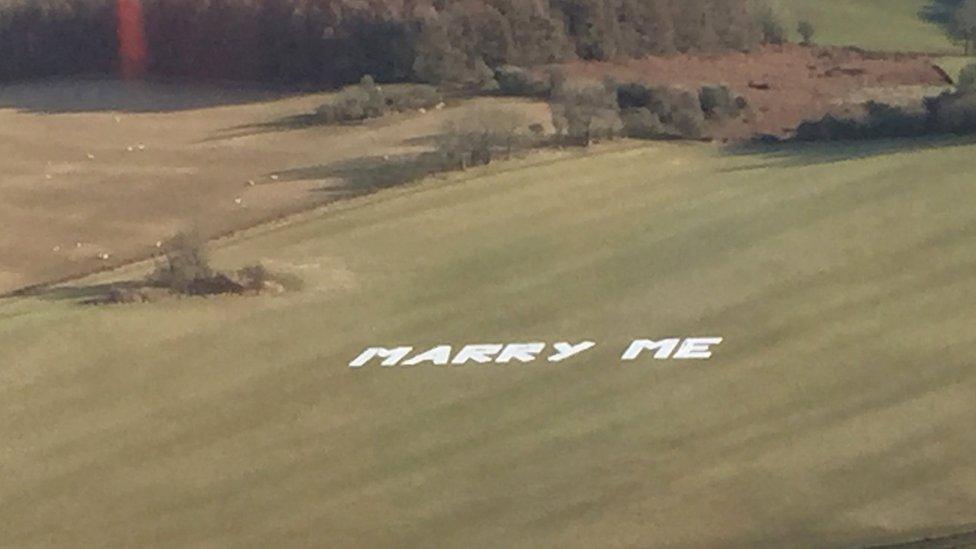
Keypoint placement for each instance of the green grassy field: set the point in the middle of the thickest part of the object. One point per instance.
(839, 411)
(892, 25)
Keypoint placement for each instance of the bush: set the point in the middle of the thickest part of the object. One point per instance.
(184, 264)
(651, 112)
(411, 97)
(771, 26)
(641, 123)
(967, 79)
(887, 121)
(368, 100)
(184, 269)
(719, 102)
(521, 82)
(953, 113)
(949, 113)
(806, 30)
(689, 124)
(634, 96)
(584, 112)
(477, 137)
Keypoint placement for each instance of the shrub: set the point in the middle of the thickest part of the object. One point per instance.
(184, 264)
(651, 112)
(411, 97)
(349, 105)
(949, 113)
(719, 102)
(258, 279)
(887, 121)
(828, 128)
(806, 30)
(368, 100)
(522, 82)
(641, 123)
(771, 26)
(634, 96)
(689, 123)
(477, 137)
(185, 270)
(584, 112)
(953, 113)
(967, 79)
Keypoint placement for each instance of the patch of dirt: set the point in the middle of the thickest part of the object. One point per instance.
(784, 85)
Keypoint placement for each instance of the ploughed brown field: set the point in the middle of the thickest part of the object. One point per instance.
(786, 84)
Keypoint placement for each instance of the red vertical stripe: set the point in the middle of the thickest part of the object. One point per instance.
(132, 38)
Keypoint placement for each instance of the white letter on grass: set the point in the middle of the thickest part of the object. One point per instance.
(392, 356)
(567, 350)
(522, 352)
(482, 354)
(697, 348)
(438, 355)
(663, 348)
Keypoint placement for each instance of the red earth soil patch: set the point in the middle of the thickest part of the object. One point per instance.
(784, 85)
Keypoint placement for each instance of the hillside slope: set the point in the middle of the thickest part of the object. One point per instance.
(889, 25)
(838, 412)
(102, 167)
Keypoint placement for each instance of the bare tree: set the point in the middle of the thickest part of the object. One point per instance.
(479, 136)
(964, 24)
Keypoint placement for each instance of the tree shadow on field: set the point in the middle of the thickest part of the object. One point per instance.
(285, 124)
(371, 173)
(85, 294)
(798, 154)
(105, 95)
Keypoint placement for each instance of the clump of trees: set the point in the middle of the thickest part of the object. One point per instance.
(335, 42)
(586, 112)
(478, 137)
(371, 100)
(184, 269)
(771, 26)
(967, 79)
(963, 25)
(951, 113)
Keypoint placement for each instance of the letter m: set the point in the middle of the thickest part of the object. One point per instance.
(391, 357)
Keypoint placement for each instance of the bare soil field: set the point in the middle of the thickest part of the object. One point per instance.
(785, 85)
(96, 173)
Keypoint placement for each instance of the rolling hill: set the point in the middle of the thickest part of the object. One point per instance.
(838, 412)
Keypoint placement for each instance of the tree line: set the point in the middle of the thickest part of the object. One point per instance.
(334, 42)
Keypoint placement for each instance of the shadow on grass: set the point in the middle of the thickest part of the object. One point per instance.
(371, 173)
(285, 124)
(795, 153)
(106, 95)
(92, 294)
